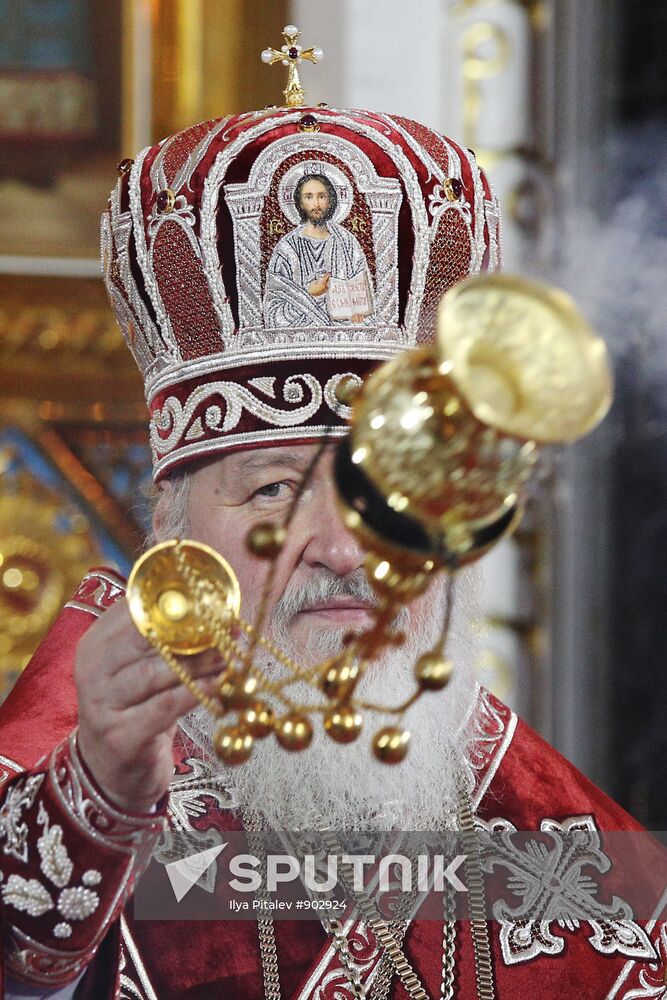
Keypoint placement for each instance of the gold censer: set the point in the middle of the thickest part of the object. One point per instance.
(434, 472)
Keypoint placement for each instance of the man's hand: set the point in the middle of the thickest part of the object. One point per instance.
(129, 703)
(320, 285)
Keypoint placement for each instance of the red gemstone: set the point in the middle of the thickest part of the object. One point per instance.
(293, 52)
(165, 200)
(308, 121)
(456, 186)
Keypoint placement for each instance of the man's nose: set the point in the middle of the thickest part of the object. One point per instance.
(330, 544)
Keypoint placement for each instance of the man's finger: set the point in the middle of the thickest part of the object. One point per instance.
(137, 683)
(112, 642)
(158, 713)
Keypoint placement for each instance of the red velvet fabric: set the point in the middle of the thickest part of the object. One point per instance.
(40, 710)
(45, 693)
(112, 867)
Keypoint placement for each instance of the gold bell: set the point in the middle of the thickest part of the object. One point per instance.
(266, 540)
(233, 744)
(258, 718)
(339, 678)
(343, 724)
(294, 732)
(433, 671)
(235, 690)
(390, 745)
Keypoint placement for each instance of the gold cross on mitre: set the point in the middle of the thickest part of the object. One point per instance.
(290, 55)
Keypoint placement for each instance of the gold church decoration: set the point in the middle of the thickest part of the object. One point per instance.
(290, 55)
(443, 442)
(41, 562)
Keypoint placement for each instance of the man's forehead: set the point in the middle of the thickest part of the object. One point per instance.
(257, 459)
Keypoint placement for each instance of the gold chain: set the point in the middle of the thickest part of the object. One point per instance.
(265, 926)
(477, 903)
(390, 936)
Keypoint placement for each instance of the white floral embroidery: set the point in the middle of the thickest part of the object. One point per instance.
(187, 799)
(293, 393)
(652, 979)
(30, 896)
(19, 797)
(213, 416)
(47, 963)
(93, 815)
(78, 903)
(438, 203)
(27, 895)
(187, 793)
(555, 892)
(181, 213)
(56, 863)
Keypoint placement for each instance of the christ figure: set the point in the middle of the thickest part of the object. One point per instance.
(311, 260)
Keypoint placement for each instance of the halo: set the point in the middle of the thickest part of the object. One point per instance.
(339, 180)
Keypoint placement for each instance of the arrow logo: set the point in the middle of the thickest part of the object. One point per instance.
(186, 872)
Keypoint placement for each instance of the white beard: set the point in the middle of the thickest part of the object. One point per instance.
(336, 787)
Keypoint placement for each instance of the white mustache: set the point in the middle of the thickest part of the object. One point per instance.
(321, 587)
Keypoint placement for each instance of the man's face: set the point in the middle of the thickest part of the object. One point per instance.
(314, 200)
(228, 497)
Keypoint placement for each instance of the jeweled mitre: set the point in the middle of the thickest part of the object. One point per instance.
(242, 321)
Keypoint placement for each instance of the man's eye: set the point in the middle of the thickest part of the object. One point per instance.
(271, 490)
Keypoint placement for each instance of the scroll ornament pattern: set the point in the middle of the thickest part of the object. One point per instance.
(224, 404)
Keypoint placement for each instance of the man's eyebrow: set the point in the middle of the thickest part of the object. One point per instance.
(264, 460)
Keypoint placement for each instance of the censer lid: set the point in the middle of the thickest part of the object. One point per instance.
(524, 358)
